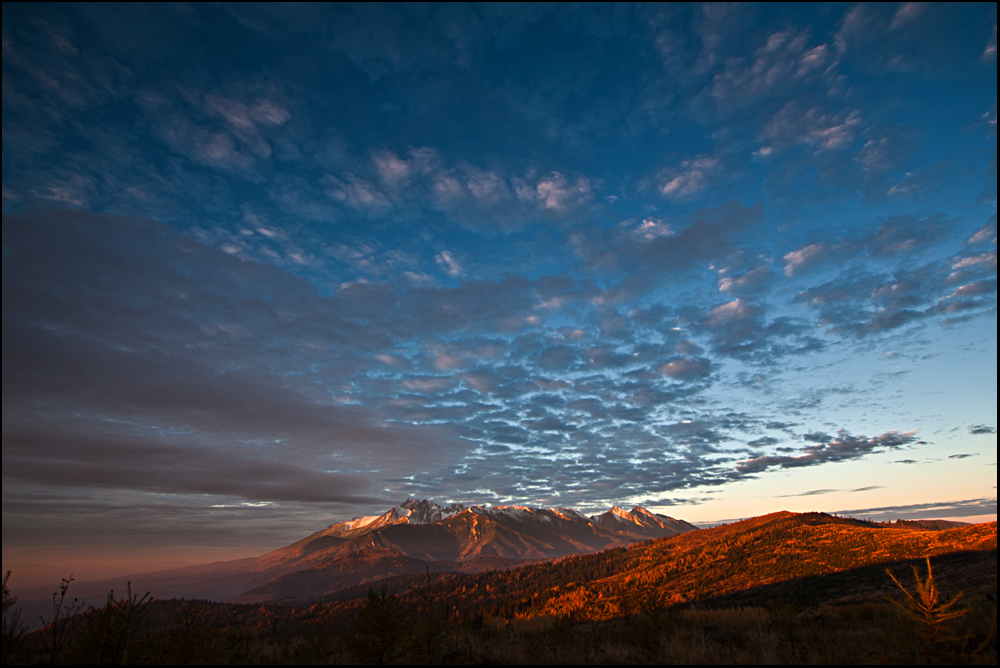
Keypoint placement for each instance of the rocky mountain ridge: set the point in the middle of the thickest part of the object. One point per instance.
(407, 538)
(420, 534)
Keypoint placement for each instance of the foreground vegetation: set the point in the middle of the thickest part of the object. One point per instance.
(892, 611)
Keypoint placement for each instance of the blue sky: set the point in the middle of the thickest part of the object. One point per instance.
(267, 267)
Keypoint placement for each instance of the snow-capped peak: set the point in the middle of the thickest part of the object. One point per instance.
(424, 512)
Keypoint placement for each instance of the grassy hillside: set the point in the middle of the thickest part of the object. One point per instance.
(703, 564)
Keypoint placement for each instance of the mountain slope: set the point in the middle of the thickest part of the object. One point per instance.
(764, 551)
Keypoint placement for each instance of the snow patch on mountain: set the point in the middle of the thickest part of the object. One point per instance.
(359, 522)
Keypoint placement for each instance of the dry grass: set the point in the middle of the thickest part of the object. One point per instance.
(853, 634)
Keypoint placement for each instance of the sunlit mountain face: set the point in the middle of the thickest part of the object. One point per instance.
(267, 269)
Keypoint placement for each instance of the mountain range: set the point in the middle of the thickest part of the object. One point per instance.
(409, 538)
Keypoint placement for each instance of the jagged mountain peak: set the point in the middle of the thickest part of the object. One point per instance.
(414, 511)
(617, 519)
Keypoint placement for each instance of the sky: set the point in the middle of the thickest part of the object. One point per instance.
(269, 267)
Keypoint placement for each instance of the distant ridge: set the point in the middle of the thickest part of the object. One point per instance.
(930, 525)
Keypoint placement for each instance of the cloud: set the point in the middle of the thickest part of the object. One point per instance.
(392, 168)
(907, 13)
(649, 229)
(987, 234)
(740, 328)
(911, 37)
(474, 197)
(746, 282)
(804, 258)
(728, 313)
(169, 338)
(965, 508)
(689, 177)
(980, 261)
(782, 62)
(708, 237)
(864, 304)
(556, 193)
(448, 263)
(686, 369)
(242, 120)
(819, 492)
(963, 455)
(357, 193)
(77, 460)
(815, 126)
(979, 429)
(900, 234)
(844, 447)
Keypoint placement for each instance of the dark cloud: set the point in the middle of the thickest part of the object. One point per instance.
(863, 304)
(76, 460)
(812, 492)
(818, 492)
(842, 448)
(740, 328)
(709, 236)
(909, 38)
(903, 234)
(763, 442)
(982, 429)
(167, 332)
(963, 455)
(748, 282)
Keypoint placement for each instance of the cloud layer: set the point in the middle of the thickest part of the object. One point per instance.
(328, 257)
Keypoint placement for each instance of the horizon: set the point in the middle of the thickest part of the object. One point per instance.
(265, 266)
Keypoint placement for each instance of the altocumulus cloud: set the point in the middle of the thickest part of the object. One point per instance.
(843, 447)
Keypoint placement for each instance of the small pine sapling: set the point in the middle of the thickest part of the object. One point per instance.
(926, 608)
